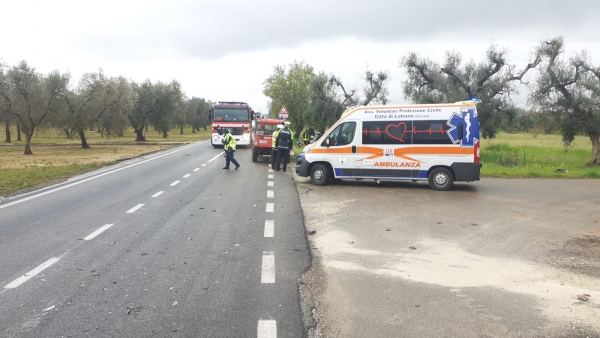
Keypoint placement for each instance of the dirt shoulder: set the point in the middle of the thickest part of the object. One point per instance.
(500, 257)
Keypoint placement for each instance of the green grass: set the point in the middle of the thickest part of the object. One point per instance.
(12, 180)
(523, 155)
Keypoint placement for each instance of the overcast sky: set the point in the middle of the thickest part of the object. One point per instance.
(225, 49)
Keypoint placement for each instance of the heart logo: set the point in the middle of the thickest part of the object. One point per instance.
(396, 131)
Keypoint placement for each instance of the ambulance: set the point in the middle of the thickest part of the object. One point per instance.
(434, 143)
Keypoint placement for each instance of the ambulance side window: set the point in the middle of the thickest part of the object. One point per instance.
(334, 136)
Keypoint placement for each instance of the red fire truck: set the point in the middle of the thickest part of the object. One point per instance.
(262, 137)
(236, 116)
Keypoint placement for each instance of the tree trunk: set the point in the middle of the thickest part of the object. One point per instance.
(297, 132)
(180, 130)
(84, 144)
(595, 150)
(140, 135)
(19, 133)
(8, 139)
(28, 136)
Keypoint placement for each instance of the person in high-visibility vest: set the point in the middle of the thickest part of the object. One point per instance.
(229, 146)
(274, 145)
(285, 144)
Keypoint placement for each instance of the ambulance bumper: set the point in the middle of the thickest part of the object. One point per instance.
(466, 172)
(301, 166)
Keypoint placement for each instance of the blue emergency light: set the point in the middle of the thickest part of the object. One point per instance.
(232, 102)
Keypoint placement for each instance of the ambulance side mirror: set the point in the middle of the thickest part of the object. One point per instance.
(327, 142)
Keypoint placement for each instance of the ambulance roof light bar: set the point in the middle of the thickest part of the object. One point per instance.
(231, 102)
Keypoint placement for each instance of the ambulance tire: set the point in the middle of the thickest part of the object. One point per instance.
(255, 156)
(441, 179)
(319, 174)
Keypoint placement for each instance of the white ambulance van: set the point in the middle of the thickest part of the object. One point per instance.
(438, 143)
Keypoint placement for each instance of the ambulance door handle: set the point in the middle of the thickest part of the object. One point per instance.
(354, 149)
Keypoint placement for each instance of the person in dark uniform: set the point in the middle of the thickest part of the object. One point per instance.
(285, 144)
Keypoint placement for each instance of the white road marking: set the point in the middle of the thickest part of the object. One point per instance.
(196, 169)
(32, 273)
(90, 178)
(270, 176)
(204, 165)
(186, 175)
(270, 207)
(174, 183)
(269, 183)
(270, 194)
(269, 228)
(97, 232)
(267, 328)
(268, 267)
(270, 170)
(132, 210)
(214, 158)
(158, 194)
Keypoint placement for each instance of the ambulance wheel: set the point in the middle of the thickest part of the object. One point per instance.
(254, 156)
(319, 174)
(441, 179)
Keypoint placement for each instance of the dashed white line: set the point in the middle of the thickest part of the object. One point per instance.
(270, 184)
(187, 175)
(97, 232)
(271, 176)
(267, 328)
(132, 210)
(196, 169)
(174, 183)
(204, 165)
(158, 194)
(270, 170)
(270, 194)
(214, 158)
(269, 228)
(32, 273)
(268, 268)
(270, 207)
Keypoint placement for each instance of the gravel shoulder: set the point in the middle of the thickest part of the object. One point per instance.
(500, 257)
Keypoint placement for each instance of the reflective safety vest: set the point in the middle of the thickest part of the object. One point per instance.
(274, 139)
(229, 142)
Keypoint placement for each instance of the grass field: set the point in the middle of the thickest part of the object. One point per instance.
(522, 155)
(56, 157)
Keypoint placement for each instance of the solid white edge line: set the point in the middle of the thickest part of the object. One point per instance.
(196, 169)
(32, 273)
(158, 194)
(212, 159)
(174, 183)
(186, 175)
(90, 178)
(270, 207)
(270, 194)
(267, 328)
(269, 228)
(132, 210)
(268, 268)
(97, 232)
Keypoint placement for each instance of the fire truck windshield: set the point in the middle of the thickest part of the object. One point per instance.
(231, 114)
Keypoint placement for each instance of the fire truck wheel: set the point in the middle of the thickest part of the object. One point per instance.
(254, 155)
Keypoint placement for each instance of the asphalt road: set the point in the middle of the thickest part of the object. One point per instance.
(167, 245)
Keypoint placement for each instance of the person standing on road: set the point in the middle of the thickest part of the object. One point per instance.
(285, 144)
(229, 146)
(274, 145)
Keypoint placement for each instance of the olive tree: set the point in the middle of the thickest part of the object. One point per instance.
(491, 80)
(570, 90)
